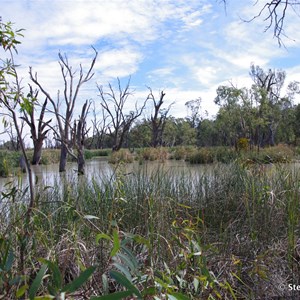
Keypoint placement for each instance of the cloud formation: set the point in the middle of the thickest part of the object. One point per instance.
(186, 48)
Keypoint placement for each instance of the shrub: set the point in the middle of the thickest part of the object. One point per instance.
(154, 154)
(123, 155)
(8, 161)
(88, 154)
(201, 156)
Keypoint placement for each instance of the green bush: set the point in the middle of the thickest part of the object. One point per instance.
(201, 156)
(88, 154)
(8, 161)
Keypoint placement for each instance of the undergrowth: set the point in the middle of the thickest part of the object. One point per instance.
(228, 232)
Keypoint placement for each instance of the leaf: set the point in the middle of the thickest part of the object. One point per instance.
(102, 236)
(79, 281)
(105, 284)
(128, 261)
(121, 279)
(114, 296)
(149, 291)
(179, 296)
(56, 274)
(21, 291)
(117, 245)
(37, 282)
(90, 217)
(123, 269)
(9, 261)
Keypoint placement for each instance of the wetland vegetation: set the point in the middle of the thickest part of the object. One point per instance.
(216, 231)
(224, 227)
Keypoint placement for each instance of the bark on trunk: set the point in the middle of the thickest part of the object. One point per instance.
(81, 162)
(63, 158)
(37, 152)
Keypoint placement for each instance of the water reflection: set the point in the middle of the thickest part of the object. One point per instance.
(48, 175)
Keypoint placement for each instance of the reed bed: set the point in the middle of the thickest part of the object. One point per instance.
(223, 232)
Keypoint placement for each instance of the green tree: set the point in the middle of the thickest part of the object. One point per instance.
(12, 98)
(266, 90)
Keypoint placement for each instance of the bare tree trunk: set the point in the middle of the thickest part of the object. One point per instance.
(80, 162)
(37, 152)
(71, 91)
(63, 158)
(113, 104)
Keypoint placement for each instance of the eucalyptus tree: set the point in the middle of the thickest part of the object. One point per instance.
(12, 98)
(70, 97)
(267, 90)
(114, 103)
(232, 119)
(193, 107)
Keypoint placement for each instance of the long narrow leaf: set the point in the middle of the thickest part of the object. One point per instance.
(121, 279)
(117, 245)
(114, 296)
(79, 281)
(179, 296)
(37, 282)
(9, 261)
(56, 274)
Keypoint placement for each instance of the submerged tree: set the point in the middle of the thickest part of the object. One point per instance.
(114, 103)
(158, 118)
(70, 95)
(79, 135)
(38, 128)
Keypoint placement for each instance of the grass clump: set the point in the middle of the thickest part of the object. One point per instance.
(153, 154)
(89, 154)
(121, 156)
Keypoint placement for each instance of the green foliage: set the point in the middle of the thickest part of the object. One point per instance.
(9, 36)
(201, 156)
(88, 154)
(225, 231)
(8, 161)
(8, 277)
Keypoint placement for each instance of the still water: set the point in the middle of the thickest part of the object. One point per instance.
(47, 175)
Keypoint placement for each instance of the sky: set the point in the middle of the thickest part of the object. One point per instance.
(186, 48)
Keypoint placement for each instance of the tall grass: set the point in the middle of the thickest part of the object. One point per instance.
(232, 229)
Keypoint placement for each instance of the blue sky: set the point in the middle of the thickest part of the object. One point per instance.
(186, 48)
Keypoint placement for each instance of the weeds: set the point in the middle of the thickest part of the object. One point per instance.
(224, 232)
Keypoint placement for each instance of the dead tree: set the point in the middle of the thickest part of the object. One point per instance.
(274, 13)
(70, 94)
(114, 104)
(38, 131)
(79, 133)
(99, 128)
(158, 118)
